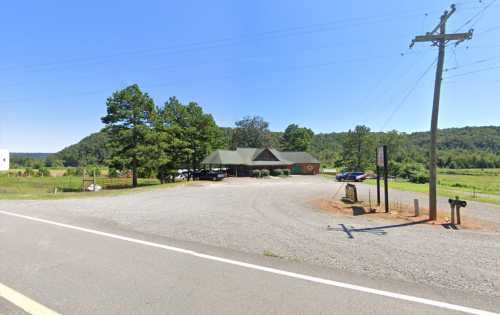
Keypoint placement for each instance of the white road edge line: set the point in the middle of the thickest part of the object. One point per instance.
(344, 285)
(24, 302)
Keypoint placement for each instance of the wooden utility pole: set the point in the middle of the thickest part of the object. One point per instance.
(439, 38)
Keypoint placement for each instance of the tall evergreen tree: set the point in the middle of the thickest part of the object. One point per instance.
(128, 122)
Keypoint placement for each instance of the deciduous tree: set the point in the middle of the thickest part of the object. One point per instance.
(358, 149)
(251, 132)
(297, 138)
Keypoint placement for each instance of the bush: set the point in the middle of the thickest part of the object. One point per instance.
(277, 172)
(419, 178)
(89, 170)
(28, 172)
(286, 172)
(264, 173)
(78, 171)
(256, 173)
(113, 172)
(43, 172)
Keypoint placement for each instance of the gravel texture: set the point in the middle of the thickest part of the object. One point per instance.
(275, 216)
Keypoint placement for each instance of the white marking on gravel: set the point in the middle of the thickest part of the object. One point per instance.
(289, 274)
(24, 302)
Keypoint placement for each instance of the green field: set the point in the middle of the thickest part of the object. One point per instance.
(469, 184)
(67, 187)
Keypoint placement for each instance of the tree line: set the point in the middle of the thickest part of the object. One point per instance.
(150, 140)
(153, 140)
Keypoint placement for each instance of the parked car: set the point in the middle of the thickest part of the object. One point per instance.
(351, 176)
(208, 175)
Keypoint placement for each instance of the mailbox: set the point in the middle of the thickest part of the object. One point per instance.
(455, 205)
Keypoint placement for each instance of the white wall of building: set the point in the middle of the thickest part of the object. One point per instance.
(4, 160)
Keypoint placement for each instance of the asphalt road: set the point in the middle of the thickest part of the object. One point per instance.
(80, 271)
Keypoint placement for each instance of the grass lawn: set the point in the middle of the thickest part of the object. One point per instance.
(485, 184)
(68, 187)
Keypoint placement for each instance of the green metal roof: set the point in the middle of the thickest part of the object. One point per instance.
(299, 157)
(247, 156)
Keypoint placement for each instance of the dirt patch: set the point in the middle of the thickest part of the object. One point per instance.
(402, 214)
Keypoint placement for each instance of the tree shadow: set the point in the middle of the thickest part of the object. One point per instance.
(377, 230)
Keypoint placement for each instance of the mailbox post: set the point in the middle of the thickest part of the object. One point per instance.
(455, 205)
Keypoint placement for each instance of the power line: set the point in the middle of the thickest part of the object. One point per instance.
(476, 16)
(239, 74)
(471, 72)
(197, 46)
(407, 95)
(480, 61)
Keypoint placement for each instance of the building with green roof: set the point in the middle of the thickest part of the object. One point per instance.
(242, 161)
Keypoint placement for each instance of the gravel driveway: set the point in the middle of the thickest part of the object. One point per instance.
(275, 216)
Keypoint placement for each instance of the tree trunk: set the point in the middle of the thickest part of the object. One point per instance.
(134, 177)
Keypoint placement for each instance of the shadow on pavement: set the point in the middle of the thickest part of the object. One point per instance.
(377, 230)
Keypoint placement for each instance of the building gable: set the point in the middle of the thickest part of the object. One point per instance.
(265, 155)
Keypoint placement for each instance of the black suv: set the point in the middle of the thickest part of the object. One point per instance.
(208, 175)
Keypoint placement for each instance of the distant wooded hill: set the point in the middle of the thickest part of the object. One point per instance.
(27, 155)
(468, 147)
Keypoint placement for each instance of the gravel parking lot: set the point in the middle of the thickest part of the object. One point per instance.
(276, 217)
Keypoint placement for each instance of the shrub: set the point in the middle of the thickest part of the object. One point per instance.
(72, 171)
(256, 173)
(89, 170)
(28, 172)
(264, 173)
(44, 172)
(277, 172)
(113, 172)
(419, 177)
(286, 172)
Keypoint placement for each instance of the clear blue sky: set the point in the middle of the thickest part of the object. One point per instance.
(327, 65)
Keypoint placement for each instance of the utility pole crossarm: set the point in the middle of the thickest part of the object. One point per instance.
(442, 37)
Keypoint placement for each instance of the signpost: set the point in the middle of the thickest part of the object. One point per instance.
(382, 162)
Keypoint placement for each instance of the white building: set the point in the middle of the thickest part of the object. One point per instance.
(4, 160)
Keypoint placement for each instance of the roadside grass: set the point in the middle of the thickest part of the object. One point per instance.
(481, 185)
(482, 188)
(61, 187)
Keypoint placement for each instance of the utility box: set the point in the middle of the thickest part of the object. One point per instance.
(4, 160)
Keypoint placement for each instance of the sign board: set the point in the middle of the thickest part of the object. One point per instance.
(351, 193)
(380, 156)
